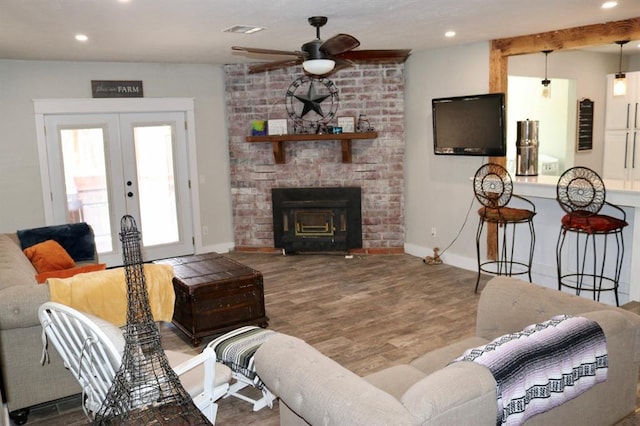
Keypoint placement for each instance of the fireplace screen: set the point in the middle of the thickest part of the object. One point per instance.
(310, 223)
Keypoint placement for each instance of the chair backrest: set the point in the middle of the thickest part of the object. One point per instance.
(580, 189)
(492, 185)
(90, 347)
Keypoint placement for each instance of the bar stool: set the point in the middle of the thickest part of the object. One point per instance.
(493, 188)
(582, 195)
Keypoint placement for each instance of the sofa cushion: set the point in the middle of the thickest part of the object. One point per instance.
(76, 238)
(395, 380)
(49, 256)
(441, 357)
(15, 268)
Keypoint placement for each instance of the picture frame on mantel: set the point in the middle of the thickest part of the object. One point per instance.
(277, 127)
(348, 124)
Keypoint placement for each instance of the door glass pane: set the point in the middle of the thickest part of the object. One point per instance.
(156, 184)
(86, 181)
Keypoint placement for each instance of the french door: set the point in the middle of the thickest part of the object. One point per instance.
(103, 166)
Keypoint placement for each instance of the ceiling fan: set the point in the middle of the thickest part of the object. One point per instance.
(323, 57)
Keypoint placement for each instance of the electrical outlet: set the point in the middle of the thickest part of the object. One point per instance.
(433, 231)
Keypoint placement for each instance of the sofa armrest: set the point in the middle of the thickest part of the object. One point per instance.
(20, 303)
(319, 390)
(462, 393)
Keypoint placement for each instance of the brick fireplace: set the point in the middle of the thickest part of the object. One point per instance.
(376, 90)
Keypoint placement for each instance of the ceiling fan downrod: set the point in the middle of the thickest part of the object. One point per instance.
(317, 22)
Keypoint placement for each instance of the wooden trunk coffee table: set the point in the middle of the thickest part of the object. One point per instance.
(215, 294)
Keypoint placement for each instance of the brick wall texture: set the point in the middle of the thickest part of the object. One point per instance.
(376, 90)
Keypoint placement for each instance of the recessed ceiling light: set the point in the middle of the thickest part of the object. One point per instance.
(609, 4)
(243, 29)
(81, 37)
(450, 34)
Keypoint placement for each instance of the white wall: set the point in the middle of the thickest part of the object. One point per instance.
(556, 115)
(23, 81)
(438, 190)
(589, 70)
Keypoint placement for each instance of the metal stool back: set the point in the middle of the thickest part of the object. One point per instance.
(493, 188)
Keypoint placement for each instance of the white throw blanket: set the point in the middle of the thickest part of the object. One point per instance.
(543, 366)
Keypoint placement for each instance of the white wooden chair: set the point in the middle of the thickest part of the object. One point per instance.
(92, 349)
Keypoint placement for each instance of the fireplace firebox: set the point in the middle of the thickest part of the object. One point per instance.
(317, 219)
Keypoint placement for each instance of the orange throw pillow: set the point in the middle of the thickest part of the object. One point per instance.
(49, 256)
(66, 273)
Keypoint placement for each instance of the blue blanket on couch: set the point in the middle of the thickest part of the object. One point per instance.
(76, 238)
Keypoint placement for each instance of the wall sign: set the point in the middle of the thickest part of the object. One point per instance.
(116, 88)
(585, 125)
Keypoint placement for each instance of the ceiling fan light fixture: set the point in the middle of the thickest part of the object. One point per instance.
(318, 66)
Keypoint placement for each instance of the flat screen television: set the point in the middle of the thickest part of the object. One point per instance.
(470, 125)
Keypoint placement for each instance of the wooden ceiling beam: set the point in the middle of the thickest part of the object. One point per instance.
(570, 38)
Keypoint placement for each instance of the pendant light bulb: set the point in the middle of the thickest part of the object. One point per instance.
(620, 80)
(546, 83)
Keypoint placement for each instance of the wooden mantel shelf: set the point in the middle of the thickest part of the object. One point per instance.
(277, 142)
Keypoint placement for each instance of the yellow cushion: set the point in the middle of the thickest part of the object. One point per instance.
(49, 256)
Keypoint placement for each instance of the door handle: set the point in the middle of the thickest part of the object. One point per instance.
(626, 149)
(130, 194)
(633, 159)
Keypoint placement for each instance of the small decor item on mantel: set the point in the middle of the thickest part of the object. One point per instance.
(363, 125)
(258, 128)
(348, 124)
(277, 127)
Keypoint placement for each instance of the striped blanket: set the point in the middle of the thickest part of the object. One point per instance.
(543, 366)
(237, 350)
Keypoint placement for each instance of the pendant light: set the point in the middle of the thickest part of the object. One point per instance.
(620, 81)
(546, 90)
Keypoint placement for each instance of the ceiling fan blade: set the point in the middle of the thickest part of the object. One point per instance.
(267, 51)
(341, 64)
(376, 55)
(267, 66)
(339, 43)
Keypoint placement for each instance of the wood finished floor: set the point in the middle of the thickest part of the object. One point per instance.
(367, 313)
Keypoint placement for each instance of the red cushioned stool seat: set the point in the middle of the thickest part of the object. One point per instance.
(590, 264)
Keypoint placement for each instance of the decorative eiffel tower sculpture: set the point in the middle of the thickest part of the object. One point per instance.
(145, 389)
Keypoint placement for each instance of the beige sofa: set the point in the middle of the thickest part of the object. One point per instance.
(431, 390)
(26, 381)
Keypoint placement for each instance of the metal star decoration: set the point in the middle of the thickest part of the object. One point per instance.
(312, 101)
